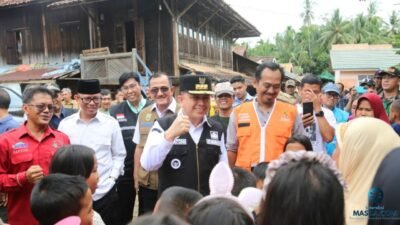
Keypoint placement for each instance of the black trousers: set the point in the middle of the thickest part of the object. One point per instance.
(147, 200)
(108, 208)
(3, 214)
(126, 199)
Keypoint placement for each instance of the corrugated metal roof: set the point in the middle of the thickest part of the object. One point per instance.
(63, 2)
(364, 59)
(4, 3)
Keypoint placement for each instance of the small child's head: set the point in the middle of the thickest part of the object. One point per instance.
(394, 115)
(58, 196)
(297, 143)
(259, 171)
(242, 179)
(177, 201)
(76, 160)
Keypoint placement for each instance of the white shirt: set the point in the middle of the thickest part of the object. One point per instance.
(171, 107)
(157, 147)
(103, 135)
(313, 132)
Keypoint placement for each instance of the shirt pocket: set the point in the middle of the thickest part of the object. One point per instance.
(21, 157)
(102, 142)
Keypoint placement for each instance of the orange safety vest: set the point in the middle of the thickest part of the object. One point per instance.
(252, 149)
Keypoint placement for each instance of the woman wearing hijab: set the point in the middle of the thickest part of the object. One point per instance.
(385, 192)
(361, 146)
(370, 105)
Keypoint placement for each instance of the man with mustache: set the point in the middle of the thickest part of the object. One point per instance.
(26, 153)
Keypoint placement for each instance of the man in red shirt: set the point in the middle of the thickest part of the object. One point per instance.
(26, 152)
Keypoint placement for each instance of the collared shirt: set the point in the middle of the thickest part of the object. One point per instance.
(19, 150)
(55, 120)
(387, 102)
(155, 152)
(103, 134)
(238, 101)
(7, 123)
(314, 133)
(171, 108)
(232, 141)
(141, 105)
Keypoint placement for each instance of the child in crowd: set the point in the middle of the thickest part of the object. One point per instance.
(242, 179)
(58, 196)
(259, 171)
(394, 115)
(177, 201)
(297, 143)
(78, 160)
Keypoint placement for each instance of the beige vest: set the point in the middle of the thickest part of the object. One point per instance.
(147, 117)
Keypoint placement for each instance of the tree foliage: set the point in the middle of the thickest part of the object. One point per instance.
(308, 48)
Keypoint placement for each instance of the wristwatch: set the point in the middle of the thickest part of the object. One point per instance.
(319, 114)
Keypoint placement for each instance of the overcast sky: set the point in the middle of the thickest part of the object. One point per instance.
(273, 16)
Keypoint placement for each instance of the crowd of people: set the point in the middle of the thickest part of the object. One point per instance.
(307, 152)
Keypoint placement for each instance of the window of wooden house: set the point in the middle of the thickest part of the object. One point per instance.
(185, 30)
(18, 43)
(180, 29)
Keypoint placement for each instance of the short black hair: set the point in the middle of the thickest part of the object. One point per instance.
(299, 138)
(310, 193)
(270, 65)
(178, 201)
(5, 99)
(311, 79)
(237, 78)
(105, 92)
(126, 76)
(221, 211)
(73, 160)
(32, 91)
(56, 197)
(242, 179)
(260, 170)
(159, 219)
(161, 74)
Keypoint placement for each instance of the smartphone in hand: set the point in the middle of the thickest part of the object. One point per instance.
(308, 108)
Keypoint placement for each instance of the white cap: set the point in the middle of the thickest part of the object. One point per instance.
(224, 88)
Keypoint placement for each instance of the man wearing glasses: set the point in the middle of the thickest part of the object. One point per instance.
(60, 112)
(146, 183)
(330, 98)
(101, 133)
(127, 113)
(26, 152)
(259, 129)
(185, 147)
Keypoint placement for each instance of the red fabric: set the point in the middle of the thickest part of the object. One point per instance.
(376, 104)
(18, 151)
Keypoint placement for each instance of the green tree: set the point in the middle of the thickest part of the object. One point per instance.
(336, 31)
(360, 29)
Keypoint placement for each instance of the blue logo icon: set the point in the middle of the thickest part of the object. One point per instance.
(375, 195)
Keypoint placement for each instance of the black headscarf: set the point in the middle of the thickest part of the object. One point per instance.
(384, 195)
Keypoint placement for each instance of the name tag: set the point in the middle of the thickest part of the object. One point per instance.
(213, 142)
(180, 141)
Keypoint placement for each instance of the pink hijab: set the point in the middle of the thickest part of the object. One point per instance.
(376, 105)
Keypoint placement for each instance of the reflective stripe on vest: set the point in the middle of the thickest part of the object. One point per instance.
(252, 138)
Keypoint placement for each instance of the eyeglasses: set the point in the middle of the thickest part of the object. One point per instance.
(155, 90)
(41, 107)
(332, 95)
(128, 87)
(87, 100)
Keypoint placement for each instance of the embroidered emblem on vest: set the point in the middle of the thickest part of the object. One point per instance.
(175, 164)
(214, 135)
(148, 117)
(180, 142)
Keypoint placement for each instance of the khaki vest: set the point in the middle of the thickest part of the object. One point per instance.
(147, 118)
